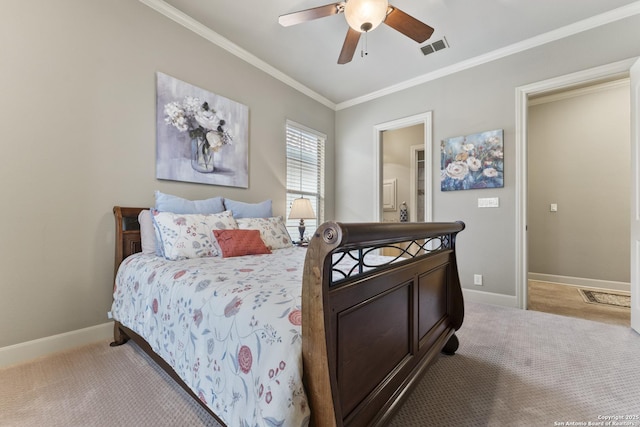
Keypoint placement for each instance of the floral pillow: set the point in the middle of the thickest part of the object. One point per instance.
(190, 235)
(240, 242)
(272, 230)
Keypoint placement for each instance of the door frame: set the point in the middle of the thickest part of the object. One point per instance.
(413, 179)
(426, 120)
(616, 69)
(634, 77)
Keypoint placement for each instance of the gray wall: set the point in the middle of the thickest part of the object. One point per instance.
(578, 152)
(78, 136)
(474, 100)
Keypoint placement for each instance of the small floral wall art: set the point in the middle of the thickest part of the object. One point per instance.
(200, 136)
(472, 161)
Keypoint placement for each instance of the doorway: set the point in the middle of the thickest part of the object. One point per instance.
(616, 70)
(578, 201)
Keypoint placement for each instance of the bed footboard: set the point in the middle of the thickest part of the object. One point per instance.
(369, 332)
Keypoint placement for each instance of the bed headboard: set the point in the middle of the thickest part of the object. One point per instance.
(128, 240)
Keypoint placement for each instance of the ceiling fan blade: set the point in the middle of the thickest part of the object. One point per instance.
(349, 46)
(310, 14)
(408, 25)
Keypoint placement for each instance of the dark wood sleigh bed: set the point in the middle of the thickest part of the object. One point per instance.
(369, 333)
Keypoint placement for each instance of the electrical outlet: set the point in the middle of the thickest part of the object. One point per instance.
(477, 279)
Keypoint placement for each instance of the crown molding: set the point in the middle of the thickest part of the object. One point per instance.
(551, 36)
(207, 33)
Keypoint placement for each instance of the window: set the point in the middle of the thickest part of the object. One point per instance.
(305, 174)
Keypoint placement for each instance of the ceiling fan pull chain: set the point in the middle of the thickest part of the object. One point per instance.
(365, 49)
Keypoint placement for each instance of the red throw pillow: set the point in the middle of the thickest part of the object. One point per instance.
(240, 242)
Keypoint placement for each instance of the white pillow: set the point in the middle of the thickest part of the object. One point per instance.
(147, 233)
(190, 235)
(249, 210)
(272, 230)
(175, 204)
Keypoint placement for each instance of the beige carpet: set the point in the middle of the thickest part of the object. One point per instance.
(513, 368)
(95, 385)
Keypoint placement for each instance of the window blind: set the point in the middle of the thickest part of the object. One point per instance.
(305, 174)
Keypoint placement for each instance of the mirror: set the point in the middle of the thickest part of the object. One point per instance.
(403, 174)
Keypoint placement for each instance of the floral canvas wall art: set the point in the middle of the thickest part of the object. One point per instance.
(200, 136)
(472, 161)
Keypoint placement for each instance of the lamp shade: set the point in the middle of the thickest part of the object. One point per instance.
(301, 209)
(365, 15)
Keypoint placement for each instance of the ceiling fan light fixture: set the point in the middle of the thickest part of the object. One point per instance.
(365, 15)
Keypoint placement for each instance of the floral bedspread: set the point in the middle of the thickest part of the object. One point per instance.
(229, 327)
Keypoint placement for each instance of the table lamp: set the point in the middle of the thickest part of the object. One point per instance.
(301, 209)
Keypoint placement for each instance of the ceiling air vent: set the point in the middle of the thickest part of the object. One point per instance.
(427, 49)
(435, 46)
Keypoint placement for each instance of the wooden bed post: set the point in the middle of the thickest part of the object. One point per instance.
(316, 366)
(119, 337)
(128, 241)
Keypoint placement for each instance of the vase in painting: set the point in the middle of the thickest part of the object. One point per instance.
(202, 155)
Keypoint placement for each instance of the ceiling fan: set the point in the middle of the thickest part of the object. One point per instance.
(362, 17)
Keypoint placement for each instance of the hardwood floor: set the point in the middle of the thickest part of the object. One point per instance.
(565, 300)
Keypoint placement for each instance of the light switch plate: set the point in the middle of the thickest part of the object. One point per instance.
(489, 202)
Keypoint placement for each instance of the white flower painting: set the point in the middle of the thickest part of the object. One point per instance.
(472, 161)
(200, 136)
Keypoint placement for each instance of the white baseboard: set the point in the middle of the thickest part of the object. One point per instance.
(489, 298)
(581, 281)
(19, 353)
